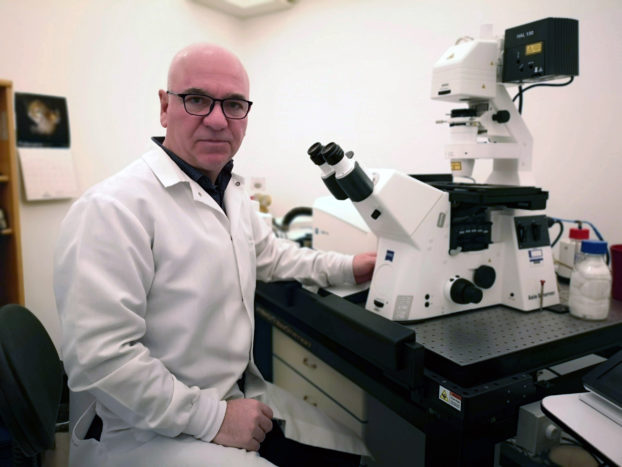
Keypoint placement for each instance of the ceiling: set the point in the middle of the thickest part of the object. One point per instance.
(247, 8)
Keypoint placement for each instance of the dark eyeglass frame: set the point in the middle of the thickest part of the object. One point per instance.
(214, 101)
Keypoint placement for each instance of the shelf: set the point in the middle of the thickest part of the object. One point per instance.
(11, 271)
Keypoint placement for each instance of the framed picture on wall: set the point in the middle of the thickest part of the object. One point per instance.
(42, 121)
(43, 147)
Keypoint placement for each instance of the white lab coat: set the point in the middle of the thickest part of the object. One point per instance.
(155, 290)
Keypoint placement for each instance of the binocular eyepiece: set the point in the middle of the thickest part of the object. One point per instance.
(344, 178)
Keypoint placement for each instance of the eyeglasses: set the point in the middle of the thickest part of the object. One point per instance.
(202, 105)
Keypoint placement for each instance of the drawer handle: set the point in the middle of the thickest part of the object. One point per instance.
(309, 363)
(309, 401)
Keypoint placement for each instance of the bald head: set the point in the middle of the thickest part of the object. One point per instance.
(204, 54)
(205, 141)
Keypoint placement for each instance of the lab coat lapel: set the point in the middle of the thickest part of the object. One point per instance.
(242, 238)
(234, 205)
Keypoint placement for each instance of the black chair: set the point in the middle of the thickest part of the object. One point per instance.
(31, 384)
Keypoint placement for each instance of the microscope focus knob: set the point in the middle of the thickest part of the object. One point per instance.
(463, 291)
(484, 276)
(503, 116)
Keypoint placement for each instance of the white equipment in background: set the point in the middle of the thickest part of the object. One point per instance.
(473, 72)
(491, 127)
(338, 227)
(446, 247)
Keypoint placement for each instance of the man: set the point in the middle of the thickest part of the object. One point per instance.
(155, 275)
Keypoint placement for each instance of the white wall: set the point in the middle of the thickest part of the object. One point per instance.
(108, 58)
(358, 72)
(354, 71)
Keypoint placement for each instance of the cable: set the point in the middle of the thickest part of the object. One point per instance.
(522, 90)
(290, 216)
(576, 221)
(551, 221)
(293, 213)
(593, 227)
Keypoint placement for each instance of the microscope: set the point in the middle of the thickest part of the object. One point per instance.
(444, 246)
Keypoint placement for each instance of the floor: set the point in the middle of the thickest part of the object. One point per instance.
(58, 457)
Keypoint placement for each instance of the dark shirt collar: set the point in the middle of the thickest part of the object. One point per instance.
(217, 190)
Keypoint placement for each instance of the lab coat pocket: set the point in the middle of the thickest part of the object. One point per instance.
(85, 451)
(308, 425)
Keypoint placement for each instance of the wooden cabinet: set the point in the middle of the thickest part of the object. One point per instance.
(11, 274)
(391, 439)
(304, 375)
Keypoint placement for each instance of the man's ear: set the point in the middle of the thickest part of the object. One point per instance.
(163, 107)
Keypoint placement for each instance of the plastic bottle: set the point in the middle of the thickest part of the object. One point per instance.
(590, 282)
(569, 251)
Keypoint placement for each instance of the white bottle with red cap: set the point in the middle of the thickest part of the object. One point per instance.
(569, 251)
(590, 282)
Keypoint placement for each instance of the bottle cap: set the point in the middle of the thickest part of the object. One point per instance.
(594, 247)
(579, 234)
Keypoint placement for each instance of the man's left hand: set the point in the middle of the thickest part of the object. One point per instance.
(363, 266)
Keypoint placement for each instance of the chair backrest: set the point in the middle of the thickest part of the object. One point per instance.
(31, 380)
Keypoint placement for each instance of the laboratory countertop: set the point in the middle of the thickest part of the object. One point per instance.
(514, 340)
(487, 358)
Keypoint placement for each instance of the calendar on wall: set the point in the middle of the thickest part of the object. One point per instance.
(43, 142)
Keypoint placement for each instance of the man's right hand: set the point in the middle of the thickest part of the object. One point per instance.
(245, 424)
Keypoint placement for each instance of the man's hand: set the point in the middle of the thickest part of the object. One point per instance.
(363, 267)
(245, 425)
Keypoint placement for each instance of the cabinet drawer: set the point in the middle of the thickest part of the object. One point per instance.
(291, 381)
(322, 375)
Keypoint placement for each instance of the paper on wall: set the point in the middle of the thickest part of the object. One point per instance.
(48, 173)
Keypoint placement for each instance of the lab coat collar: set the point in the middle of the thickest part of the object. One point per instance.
(164, 168)
(170, 174)
(217, 190)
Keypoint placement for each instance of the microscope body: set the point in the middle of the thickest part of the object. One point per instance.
(445, 247)
(417, 276)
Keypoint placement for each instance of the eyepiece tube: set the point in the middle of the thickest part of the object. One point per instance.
(350, 176)
(332, 153)
(328, 173)
(356, 184)
(314, 151)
